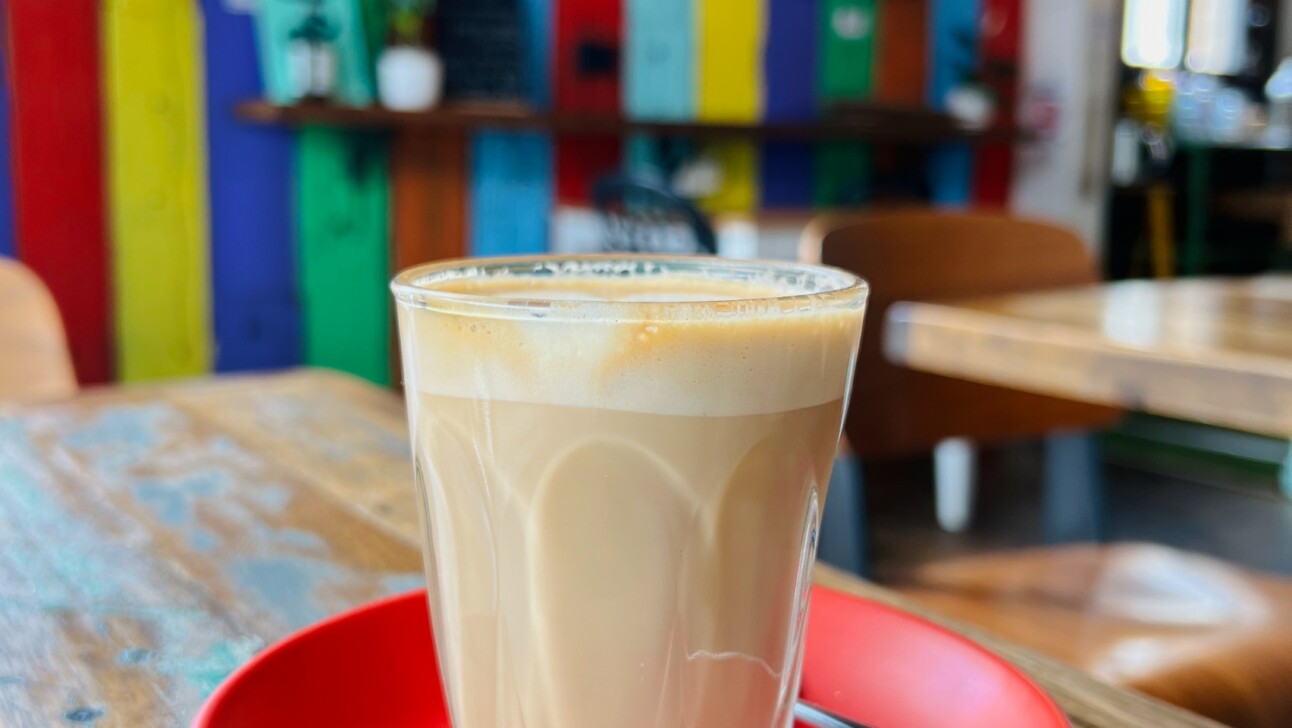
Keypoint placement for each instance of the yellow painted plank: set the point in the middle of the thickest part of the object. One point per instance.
(738, 189)
(157, 187)
(730, 88)
(731, 59)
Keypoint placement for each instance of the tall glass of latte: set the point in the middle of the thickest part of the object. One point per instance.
(620, 465)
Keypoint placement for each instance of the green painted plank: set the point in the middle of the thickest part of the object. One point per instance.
(344, 259)
(842, 170)
(848, 48)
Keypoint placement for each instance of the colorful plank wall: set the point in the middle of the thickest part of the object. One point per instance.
(108, 197)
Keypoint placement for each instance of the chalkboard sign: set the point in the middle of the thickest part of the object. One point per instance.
(481, 44)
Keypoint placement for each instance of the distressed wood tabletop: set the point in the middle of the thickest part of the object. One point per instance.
(1210, 350)
(154, 538)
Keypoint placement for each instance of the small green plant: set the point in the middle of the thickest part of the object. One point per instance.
(407, 18)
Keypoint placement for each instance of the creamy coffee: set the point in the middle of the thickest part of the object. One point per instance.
(621, 504)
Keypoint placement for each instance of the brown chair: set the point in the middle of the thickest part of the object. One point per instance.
(1184, 628)
(922, 255)
(34, 360)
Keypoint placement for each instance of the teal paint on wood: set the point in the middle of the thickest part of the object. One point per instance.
(288, 586)
(173, 500)
(399, 583)
(344, 251)
(659, 59)
(122, 516)
(56, 565)
(642, 158)
(60, 567)
(345, 19)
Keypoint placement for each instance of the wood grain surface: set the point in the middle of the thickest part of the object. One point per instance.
(154, 538)
(1211, 350)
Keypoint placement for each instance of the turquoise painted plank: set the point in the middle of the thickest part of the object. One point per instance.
(277, 19)
(659, 59)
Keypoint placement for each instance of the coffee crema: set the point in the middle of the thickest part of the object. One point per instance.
(622, 510)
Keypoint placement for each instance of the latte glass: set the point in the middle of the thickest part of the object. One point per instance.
(620, 464)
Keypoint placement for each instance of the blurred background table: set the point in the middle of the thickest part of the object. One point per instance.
(157, 537)
(1212, 350)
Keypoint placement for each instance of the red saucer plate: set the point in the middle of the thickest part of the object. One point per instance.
(375, 667)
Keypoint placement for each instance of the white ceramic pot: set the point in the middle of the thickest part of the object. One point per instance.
(409, 78)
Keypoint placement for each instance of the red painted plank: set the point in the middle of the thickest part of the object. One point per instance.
(588, 43)
(53, 54)
(1000, 25)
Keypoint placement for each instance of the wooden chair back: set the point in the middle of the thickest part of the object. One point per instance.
(34, 359)
(922, 255)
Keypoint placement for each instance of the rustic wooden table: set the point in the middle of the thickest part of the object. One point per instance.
(154, 538)
(1210, 350)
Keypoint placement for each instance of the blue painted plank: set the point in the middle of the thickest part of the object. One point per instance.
(790, 94)
(789, 60)
(511, 192)
(787, 175)
(8, 243)
(512, 173)
(659, 59)
(953, 33)
(257, 317)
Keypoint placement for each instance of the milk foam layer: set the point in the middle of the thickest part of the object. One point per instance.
(749, 353)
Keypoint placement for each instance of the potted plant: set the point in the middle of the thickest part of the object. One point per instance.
(410, 76)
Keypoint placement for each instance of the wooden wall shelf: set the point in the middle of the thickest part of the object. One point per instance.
(868, 123)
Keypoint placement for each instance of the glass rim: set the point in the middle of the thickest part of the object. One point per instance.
(836, 288)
